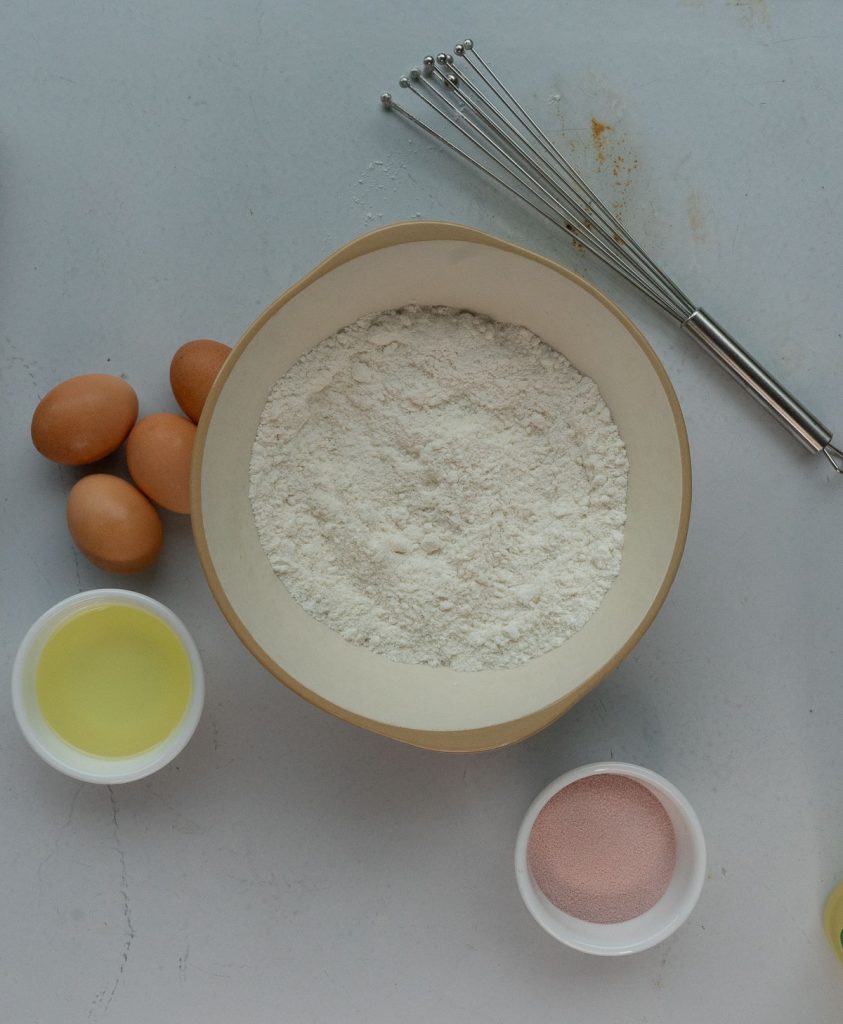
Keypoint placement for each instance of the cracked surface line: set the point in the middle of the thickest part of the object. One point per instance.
(57, 841)
(104, 998)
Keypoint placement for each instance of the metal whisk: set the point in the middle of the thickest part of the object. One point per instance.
(506, 144)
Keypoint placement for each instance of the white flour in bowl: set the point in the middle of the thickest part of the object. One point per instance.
(441, 489)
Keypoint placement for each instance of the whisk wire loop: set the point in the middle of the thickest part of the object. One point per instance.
(545, 193)
(573, 180)
(557, 206)
(507, 145)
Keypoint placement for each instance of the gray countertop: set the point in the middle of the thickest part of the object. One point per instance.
(165, 171)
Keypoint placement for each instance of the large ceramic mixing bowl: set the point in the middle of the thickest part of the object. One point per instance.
(447, 265)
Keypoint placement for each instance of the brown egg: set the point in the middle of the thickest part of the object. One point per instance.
(192, 372)
(158, 455)
(84, 419)
(113, 524)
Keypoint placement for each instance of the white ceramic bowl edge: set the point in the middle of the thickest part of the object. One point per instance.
(650, 928)
(62, 756)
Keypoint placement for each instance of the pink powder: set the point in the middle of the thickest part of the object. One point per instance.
(603, 849)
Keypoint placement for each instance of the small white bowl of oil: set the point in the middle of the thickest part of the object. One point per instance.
(108, 686)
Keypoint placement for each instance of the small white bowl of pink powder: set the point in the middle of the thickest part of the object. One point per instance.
(610, 858)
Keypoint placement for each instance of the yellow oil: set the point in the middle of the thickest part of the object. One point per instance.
(113, 681)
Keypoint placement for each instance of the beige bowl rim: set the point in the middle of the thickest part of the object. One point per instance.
(466, 740)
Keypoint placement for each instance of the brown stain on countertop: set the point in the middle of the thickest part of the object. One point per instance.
(623, 168)
(598, 130)
(575, 242)
(614, 163)
(598, 147)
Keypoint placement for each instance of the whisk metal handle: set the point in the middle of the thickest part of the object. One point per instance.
(763, 386)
